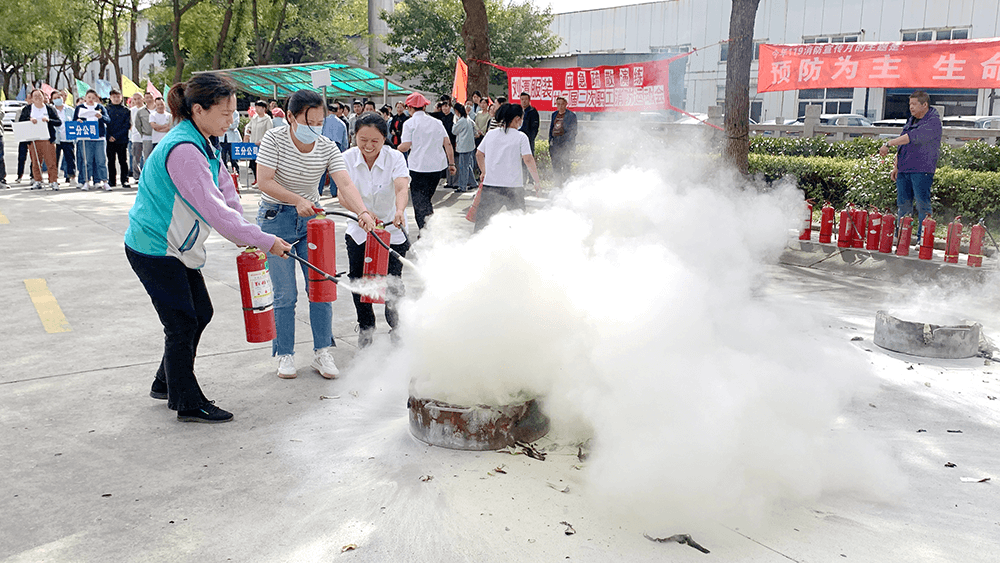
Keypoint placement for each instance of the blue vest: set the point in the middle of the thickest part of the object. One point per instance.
(161, 222)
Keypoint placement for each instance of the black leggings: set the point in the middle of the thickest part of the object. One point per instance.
(422, 188)
(181, 300)
(356, 259)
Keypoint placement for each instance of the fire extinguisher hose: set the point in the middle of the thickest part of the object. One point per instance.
(306, 263)
(354, 217)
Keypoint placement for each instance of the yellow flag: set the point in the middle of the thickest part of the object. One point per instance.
(69, 98)
(129, 88)
(3, 95)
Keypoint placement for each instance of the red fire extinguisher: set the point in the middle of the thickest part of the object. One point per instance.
(885, 236)
(845, 230)
(236, 181)
(376, 261)
(954, 241)
(321, 238)
(976, 236)
(807, 222)
(874, 229)
(255, 291)
(860, 228)
(927, 241)
(826, 223)
(905, 235)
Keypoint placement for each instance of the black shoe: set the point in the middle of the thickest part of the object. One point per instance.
(208, 413)
(158, 390)
(365, 337)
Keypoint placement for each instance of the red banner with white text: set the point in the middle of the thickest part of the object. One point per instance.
(630, 87)
(966, 63)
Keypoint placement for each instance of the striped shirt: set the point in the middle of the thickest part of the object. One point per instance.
(296, 171)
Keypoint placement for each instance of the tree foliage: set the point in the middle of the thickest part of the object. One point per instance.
(424, 39)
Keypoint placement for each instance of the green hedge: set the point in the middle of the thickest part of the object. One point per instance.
(976, 155)
(865, 182)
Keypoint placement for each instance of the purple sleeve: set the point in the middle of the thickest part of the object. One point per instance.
(189, 170)
(927, 131)
(229, 189)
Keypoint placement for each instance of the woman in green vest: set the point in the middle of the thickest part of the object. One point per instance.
(185, 192)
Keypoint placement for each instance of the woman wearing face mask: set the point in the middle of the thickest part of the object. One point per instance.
(290, 162)
(184, 192)
(64, 148)
(43, 150)
(91, 154)
(383, 180)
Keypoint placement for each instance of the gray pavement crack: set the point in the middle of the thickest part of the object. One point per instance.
(761, 544)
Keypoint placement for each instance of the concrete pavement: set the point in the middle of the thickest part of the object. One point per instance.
(95, 470)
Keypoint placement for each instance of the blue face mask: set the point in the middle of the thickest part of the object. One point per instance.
(58, 102)
(305, 134)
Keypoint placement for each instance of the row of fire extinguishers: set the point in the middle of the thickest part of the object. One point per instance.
(321, 238)
(873, 230)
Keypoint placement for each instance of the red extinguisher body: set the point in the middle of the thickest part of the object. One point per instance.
(236, 181)
(976, 236)
(807, 223)
(256, 294)
(927, 240)
(860, 227)
(874, 229)
(376, 261)
(954, 241)
(845, 229)
(885, 235)
(826, 223)
(905, 235)
(321, 238)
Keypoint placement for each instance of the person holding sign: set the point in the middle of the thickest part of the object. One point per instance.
(42, 150)
(184, 192)
(64, 147)
(91, 154)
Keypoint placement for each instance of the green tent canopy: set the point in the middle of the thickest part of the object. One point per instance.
(279, 81)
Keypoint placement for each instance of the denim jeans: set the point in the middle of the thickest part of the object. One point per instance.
(92, 161)
(466, 179)
(284, 221)
(910, 186)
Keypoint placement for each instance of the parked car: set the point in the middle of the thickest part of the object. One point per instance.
(970, 121)
(10, 110)
(846, 119)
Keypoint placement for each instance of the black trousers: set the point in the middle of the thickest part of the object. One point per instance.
(181, 301)
(22, 157)
(422, 188)
(119, 150)
(3, 165)
(560, 154)
(253, 168)
(356, 260)
(493, 199)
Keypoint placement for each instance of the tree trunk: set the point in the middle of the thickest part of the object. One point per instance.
(477, 45)
(223, 35)
(175, 36)
(741, 24)
(133, 28)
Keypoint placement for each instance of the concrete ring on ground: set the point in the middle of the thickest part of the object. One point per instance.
(924, 339)
(477, 428)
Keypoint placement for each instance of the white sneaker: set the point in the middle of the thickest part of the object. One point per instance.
(54, 186)
(286, 366)
(106, 186)
(323, 363)
(82, 186)
(35, 185)
(88, 186)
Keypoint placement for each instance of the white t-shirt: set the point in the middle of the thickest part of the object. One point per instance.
(159, 119)
(376, 187)
(296, 171)
(427, 136)
(39, 113)
(503, 150)
(133, 133)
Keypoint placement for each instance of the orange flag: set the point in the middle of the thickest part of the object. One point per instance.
(459, 91)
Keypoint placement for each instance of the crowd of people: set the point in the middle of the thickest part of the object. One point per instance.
(127, 132)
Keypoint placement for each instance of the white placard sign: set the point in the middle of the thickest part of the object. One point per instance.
(321, 78)
(28, 131)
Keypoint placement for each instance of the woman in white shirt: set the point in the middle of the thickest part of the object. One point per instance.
(500, 156)
(381, 176)
(465, 146)
(91, 154)
(290, 162)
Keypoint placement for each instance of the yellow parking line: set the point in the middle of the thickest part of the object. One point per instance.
(48, 309)
(4, 220)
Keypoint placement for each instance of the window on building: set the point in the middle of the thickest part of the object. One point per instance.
(846, 38)
(724, 51)
(832, 100)
(936, 34)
